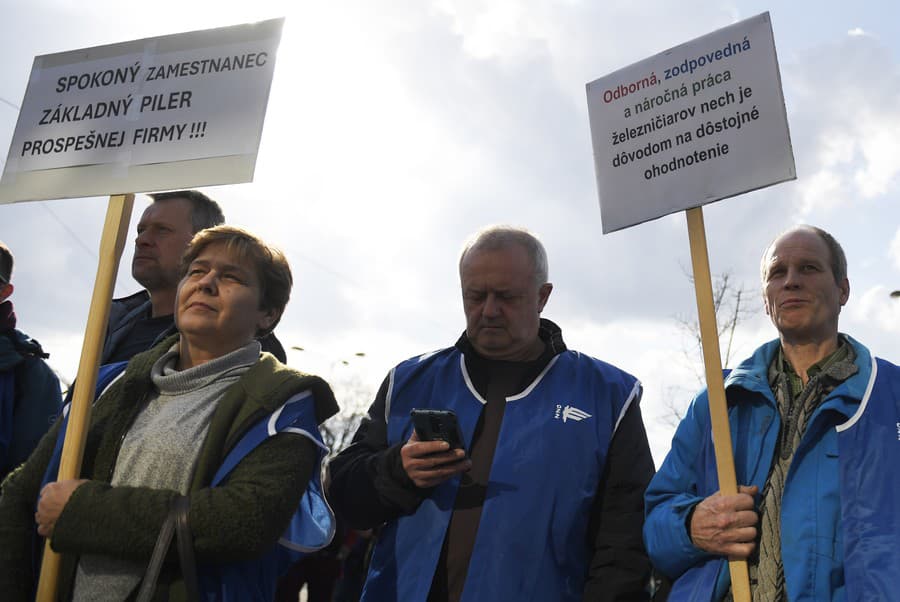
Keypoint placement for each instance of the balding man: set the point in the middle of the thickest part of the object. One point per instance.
(815, 424)
(545, 503)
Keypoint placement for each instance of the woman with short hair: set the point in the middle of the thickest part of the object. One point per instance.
(204, 432)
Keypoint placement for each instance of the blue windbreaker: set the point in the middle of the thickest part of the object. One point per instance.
(839, 490)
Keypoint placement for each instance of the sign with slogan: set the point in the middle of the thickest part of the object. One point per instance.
(694, 124)
(175, 111)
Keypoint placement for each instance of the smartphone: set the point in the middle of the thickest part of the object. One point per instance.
(438, 425)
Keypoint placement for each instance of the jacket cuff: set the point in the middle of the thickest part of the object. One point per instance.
(668, 540)
(687, 551)
(68, 530)
(393, 482)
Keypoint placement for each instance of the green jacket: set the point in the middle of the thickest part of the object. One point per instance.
(236, 521)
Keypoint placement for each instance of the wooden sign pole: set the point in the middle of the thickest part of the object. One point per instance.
(115, 231)
(715, 384)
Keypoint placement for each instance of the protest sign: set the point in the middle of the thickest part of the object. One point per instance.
(170, 112)
(175, 111)
(694, 124)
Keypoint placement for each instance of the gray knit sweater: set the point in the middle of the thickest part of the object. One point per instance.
(160, 449)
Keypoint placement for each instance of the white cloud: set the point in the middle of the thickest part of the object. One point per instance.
(497, 29)
(879, 142)
(874, 319)
(894, 249)
(847, 136)
(823, 188)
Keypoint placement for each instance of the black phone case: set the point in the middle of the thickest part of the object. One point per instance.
(437, 425)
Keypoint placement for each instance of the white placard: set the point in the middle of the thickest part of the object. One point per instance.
(160, 113)
(697, 123)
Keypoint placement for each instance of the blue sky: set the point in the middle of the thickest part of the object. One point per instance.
(395, 131)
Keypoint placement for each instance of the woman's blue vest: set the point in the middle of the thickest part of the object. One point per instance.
(311, 528)
(532, 538)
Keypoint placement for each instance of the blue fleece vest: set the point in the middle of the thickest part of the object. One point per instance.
(532, 538)
(312, 525)
(869, 454)
(311, 528)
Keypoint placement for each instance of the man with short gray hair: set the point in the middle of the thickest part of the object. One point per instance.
(544, 499)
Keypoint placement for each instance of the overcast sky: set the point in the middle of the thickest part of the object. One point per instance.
(395, 130)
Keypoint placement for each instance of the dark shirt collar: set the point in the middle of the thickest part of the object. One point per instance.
(838, 366)
(548, 331)
(482, 369)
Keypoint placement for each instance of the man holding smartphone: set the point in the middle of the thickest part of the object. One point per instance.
(544, 502)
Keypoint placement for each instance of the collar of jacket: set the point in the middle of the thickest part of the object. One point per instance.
(258, 393)
(548, 331)
(15, 346)
(752, 374)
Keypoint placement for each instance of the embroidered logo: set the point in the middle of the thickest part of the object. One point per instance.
(570, 413)
(898, 430)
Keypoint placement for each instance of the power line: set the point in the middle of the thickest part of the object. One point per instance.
(9, 103)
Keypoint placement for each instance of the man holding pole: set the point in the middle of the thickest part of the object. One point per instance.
(815, 423)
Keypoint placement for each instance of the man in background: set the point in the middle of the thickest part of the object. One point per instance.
(139, 321)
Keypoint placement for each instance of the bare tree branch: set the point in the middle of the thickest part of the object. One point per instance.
(354, 397)
(730, 304)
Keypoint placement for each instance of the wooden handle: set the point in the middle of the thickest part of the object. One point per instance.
(715, 384)
(115, 231)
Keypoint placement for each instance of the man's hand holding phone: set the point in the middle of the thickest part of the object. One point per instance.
(430, 463)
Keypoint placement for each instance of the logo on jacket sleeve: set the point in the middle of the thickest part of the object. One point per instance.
(570, 413)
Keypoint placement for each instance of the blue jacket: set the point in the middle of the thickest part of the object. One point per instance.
(815, 539)
(30, 398)
(123, 313)
(548, 460)
(869, 454)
